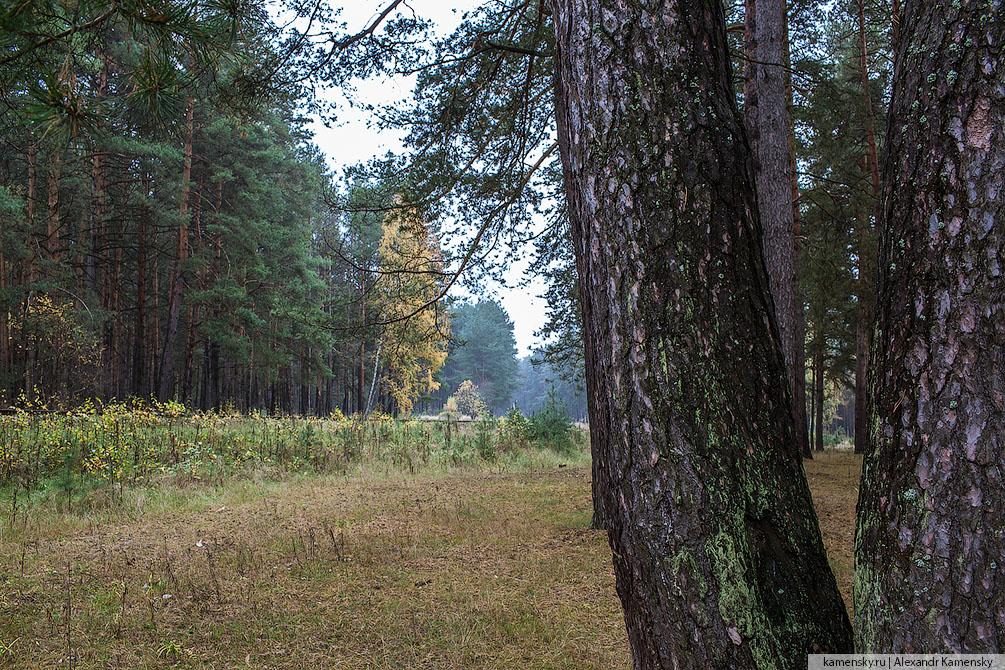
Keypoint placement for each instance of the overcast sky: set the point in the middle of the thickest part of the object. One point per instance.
(353, 141)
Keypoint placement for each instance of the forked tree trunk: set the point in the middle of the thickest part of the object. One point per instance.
(930, 543)
(717, 552)
(767, 121)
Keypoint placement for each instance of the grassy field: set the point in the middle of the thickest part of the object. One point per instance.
(475, 564)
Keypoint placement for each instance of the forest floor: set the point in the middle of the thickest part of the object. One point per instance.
(474, 568)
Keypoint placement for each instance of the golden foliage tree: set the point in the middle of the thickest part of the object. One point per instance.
(416, 329)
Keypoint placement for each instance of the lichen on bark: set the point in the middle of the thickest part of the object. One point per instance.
(931, 516)
(705, 493)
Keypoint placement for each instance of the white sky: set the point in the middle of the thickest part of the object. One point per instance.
(353, 141)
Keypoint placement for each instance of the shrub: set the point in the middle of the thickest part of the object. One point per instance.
(469, 401)
(512, 428)
(450, 409)
(485, 437)
(551, 426)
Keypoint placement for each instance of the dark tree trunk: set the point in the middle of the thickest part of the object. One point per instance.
(818, 397)
(766, 108)
(929, 549)
(799, 324)
(176, 290)
(3, 323)
(29, 275)
(866, 250)
(139, 384)
(52, 223)
(862, 331)
(717, 553)
(813, 398)
(360, 397)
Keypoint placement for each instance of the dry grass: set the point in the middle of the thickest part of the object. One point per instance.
(833, 477)
(460, 570)
(466, 569)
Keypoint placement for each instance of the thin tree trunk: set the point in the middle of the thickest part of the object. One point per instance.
(177, 279)
(191, 339)
(139, 384)
(767, 121)
(4, 331)
(373, 384)
(866, 270)
(798, 367)
(929, 547)
(818, 392)
(717, 553)
(52, 223)
(153, 351)
(30, 241)
(362, 346)
(100, 270)
(813, 398)
(118, 300)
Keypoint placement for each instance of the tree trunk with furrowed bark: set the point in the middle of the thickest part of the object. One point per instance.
(717, 551)
(930, 547)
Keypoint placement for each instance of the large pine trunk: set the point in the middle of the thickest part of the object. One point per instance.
(717, 552)
(930, 547)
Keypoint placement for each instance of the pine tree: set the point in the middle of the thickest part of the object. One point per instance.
(929, 535)
(704, 491)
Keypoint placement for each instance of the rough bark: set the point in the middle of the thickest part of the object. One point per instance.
(766, 110)
(717, 552)
(930, 545)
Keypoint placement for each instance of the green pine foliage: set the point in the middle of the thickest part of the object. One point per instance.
(551, 426)
(484, 352)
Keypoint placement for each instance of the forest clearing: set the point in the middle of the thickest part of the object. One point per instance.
(472, 563)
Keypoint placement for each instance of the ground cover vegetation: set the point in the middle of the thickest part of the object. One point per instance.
(479, 564)
(71, 459)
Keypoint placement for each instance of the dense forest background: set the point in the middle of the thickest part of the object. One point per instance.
(171, 229)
